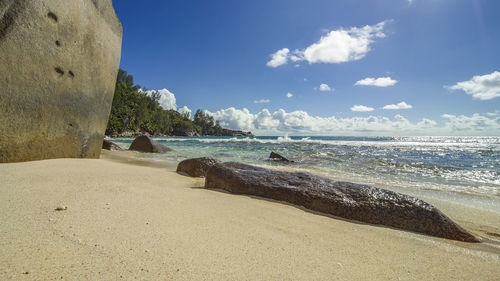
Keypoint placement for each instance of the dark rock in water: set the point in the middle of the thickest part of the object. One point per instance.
(343, 199)
(190, 133)
(109, 145)
(196, 167)
(278, 157)
(58, 66)
(146, 144)
(234, 133)
(185, 131)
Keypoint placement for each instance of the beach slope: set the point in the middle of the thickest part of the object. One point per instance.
(131, 219)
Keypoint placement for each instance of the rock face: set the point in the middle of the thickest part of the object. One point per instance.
(277, 157)
(146, 144)
(196, 167)
(58, 66)
(347, 200)
(185, 132)
(192, 133)
(234, 133)
(109, 145)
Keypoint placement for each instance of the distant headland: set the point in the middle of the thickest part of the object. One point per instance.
(135, 112)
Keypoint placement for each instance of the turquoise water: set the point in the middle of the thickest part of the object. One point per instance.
(455, 165)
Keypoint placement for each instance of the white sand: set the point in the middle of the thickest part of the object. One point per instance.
(133, 219)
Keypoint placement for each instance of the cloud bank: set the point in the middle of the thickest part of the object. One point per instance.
(336, 46)
(301, 123)
(476, 123)
(167, 100)
(485, 87)
(185, 111)
(376, 82)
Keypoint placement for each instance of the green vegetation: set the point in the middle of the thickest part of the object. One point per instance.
(206, 124)
(135, 112)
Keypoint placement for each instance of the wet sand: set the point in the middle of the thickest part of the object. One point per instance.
(137, 219)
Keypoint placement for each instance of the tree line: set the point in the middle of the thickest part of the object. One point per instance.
(133, 111)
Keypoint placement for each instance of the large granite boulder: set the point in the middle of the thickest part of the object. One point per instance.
(109, 145)
(343, 199)
(146, 144)
(58, 66)
(196, 167)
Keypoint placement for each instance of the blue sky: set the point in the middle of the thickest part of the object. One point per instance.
(433, 64)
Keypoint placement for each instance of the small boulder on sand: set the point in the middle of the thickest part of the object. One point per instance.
(196, 167)
(109, 145)
(146, 144)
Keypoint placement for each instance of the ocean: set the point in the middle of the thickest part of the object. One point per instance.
(459, 169)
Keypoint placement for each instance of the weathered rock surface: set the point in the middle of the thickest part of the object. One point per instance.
(196, 167)
(277, 157)
(58, 67)
(184, 131)
(109, 145)
(343, 199)
(146, 144)
(234, 133)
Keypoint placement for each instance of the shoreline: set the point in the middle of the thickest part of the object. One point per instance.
(460, 211)
(473, 216)
(137, 218)
(424, 186)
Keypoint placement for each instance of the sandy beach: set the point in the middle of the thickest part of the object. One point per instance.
(139, 220)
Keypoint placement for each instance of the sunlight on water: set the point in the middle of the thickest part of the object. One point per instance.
(462, 165)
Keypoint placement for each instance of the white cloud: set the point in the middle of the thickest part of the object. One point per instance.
(470, 125)
(361, 108)
(344, 45)
(289, 95)
(401, 105)
(336, 46)
(279, 58)
(485, 87)
(264, 120)
(301, 123)
(233, 118)
(324, 88)
(167, 99)
(262, 101)
(185, 110)
(377, 82)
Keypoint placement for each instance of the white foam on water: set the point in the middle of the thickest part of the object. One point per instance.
(462, 165)
(445, 143)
